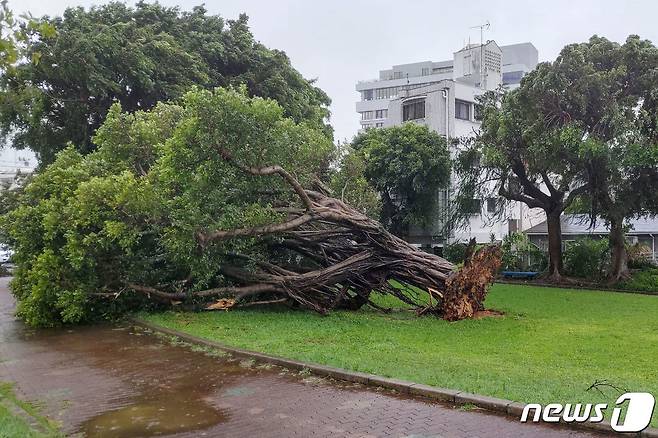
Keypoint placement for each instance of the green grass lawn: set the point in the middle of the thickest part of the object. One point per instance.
(550, 346)
(14, 415)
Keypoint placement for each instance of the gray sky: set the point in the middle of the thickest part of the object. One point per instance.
(339, 42)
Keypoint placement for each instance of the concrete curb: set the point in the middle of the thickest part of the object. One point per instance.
(506, 407)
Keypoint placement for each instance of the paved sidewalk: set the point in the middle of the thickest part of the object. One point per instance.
(118, 381)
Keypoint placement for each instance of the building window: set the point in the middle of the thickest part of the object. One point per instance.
(492, 203)
(474, 207)
(397, 75)
(367, 115)
(366, 125)
(386, 93)
(425, 71)
(379, 125)
(462, 110)
(512, 77)
(381, 114)
(414, 109)
(479, 109)
(367, 95)
(441, 70)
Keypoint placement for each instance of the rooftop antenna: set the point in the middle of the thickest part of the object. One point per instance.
(482, 27)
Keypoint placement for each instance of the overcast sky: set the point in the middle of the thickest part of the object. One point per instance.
(339, 42)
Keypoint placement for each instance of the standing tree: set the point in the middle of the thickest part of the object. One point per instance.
(137, 57)
(582, 126)
(407, 165)
(617, 117)
(519, 157)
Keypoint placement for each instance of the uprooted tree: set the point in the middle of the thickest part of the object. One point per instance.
(216, 202)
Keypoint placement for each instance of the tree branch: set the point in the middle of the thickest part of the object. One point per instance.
(528, 186)
(270, 170)
(530, 202)
(573, 194)
(551, 188)
(158, 293)
(237, 291)
(256, 231)
(258, 303)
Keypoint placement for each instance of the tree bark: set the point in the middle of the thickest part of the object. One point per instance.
(554, 245)
(619, 256)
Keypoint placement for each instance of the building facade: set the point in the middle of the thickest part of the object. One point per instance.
(502, 65)
(442, 95)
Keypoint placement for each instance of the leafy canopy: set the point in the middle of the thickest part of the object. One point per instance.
(349, 183)
(406, 165)
(15, 35)
(579, 132)
(137, 56)
(617, 116)
(128, 212)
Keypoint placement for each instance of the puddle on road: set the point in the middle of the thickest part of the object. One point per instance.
(174, 386)
(159, 417)
(141, 384)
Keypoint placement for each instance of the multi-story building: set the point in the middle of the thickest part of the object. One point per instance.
(506, 65)
(442, 95)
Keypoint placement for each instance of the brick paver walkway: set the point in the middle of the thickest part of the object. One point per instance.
(111, 381)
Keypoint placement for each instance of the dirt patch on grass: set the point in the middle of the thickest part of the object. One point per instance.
(488, 313)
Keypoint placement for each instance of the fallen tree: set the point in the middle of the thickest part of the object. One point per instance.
(214, 203)
(346, 256)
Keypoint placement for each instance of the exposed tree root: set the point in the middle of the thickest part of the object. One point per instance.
(559, 279)
(467, 289)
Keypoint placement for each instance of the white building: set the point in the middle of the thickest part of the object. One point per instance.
(506, 65)
(442, 96)
(14, 163)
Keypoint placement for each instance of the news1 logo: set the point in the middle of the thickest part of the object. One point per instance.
(638, 412)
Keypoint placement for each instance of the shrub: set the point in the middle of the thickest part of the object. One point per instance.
(455, 252)
(587, 258)
(520, 254)
(639, 256)
(645, 280)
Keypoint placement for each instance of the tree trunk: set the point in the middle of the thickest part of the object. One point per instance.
(554, 246)
(619, 257)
